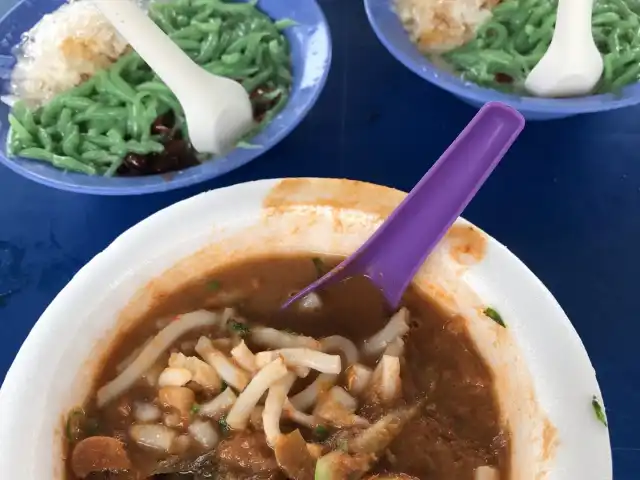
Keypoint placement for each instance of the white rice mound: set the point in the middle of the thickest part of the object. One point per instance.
(65, 48)
(437, 26)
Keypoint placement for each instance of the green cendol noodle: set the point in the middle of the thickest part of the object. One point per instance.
(92, 127)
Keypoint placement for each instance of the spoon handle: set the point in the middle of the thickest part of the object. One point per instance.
(392, 256)
(152, 44)
(573, 22)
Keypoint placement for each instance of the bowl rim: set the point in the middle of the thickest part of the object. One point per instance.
(121, 186)
(107, 265)
(375, 10)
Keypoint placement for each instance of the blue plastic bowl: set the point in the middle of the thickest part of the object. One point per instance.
(393, 36)
(311, 55)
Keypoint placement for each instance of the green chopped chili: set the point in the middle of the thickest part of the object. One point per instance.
(214, 285)
(224, 426)
(493, 314)
(238, 327)
(599, 411)
(195, 408)
(79, 426)
(321, 432)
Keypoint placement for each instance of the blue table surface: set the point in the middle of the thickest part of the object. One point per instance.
(566, 200)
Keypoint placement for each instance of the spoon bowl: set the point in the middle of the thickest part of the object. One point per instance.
(572, 65)
(392, 256)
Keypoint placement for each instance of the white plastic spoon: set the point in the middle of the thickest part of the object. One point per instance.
(572, 65)
(217, 110)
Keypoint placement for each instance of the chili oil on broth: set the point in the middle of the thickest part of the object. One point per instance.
(457, 428)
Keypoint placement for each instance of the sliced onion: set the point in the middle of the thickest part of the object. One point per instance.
(375, 439)
(203, 432)
(339, 344)
(230, 373)
(181, 444)
(249, 398)
(310, 303)
(308, 397)
(150, 354)
(172, 420)
(202, 373)
(219, 406)
(273, 407)
(302, 357)
(180, 398)
(272, 338)
(395, 328)
(337, 407)
(386, 385)
(146, 412)
(293, 457)
(244, 357)
(358, 377)
(174, 377)
(486, 473)
(395, 348)
(154, 437)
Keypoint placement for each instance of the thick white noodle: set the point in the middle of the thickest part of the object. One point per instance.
(228, 371)
(272, 338)
(219, 406)
(150, 353)
(339, 344)
(397, 326)
(244, 357)
(303, 357)
(308, 397)
(241, 411)
(358, 378)
(273, 407)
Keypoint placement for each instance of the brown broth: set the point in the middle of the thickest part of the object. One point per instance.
(458, 426)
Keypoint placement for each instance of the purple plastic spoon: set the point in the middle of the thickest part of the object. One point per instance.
(391, 257)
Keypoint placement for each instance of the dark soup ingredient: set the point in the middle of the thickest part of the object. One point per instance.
(334, 387)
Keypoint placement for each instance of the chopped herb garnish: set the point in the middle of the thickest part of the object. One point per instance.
(493, 314)
(599, 411)
(79, 426)
(214, 285)
(321, 432)
(223, 385)
(224, 426)
(238, 327)
(195, 408)
(319, 266)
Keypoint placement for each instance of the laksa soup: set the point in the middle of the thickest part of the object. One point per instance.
(216, 381)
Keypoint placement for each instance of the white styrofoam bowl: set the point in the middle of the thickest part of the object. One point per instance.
(544, 379)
